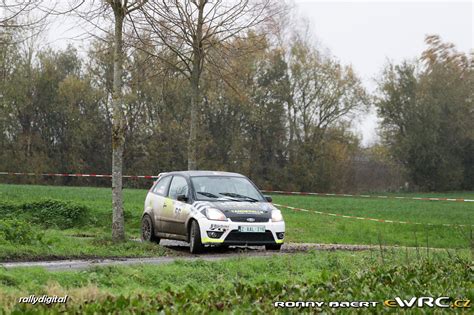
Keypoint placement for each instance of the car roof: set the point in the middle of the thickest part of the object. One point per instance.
(201, 173)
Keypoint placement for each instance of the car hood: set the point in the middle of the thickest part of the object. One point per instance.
(242, 210)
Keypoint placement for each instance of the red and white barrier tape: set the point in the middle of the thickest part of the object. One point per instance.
(77, 175)
(280, 192)
(369, 219)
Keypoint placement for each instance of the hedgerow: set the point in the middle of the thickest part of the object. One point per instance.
(48, 213)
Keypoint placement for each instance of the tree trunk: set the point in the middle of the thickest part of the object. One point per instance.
(195, 93)
(118, 131)
(291, 130)
(192, 154)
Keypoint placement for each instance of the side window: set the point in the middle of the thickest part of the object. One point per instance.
(160, 187)
(179, 186)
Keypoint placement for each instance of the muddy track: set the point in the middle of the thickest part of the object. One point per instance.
(180, 251)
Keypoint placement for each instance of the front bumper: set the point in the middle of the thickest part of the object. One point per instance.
(229, 234)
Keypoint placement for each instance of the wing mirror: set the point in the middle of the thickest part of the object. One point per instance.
(269, 198)
(182, 198)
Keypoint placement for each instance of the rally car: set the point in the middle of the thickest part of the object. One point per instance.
(211, 208)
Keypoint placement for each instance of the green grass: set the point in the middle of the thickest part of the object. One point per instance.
(70, 243)
(63, 245)
(312, 227)
(245, 285)
(301, 226)
(98, 199)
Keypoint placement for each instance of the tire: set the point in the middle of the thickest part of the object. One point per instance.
(195, 244)
(148, 231)
(273, 247)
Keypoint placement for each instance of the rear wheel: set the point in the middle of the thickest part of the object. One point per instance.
(195, 244)
(273, 247)
(148, 231)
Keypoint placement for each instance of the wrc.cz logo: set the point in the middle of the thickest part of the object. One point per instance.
(443, 302)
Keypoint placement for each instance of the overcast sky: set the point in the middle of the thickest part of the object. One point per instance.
(368, 33)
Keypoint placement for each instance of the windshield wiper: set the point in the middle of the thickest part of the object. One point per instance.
(207, 194)
(238, 196)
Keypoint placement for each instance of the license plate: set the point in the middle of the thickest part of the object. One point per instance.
(252, 228)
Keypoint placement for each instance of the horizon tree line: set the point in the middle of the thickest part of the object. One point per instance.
(204, 85)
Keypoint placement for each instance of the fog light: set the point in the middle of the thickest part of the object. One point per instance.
(214, 234)
(281, 235)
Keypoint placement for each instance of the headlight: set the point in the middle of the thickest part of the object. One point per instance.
(215, 214)
(276, 216)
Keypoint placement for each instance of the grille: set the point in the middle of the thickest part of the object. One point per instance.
(244, 219)
(249, 238)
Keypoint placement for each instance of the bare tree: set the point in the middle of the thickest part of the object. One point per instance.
(13, 10)
(92, 13)
(22, 20)
(121, 9)
(192, 29)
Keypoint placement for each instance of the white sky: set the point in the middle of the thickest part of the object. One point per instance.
(367, 34)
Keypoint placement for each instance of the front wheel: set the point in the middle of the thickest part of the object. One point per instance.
(148, 232)
(195, 244)
(273, 247)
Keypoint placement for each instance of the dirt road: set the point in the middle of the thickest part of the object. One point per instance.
(180, 251)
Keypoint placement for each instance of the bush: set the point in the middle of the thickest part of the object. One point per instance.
(19, 232)
(8, 209)
(60, 214)
(48, 213)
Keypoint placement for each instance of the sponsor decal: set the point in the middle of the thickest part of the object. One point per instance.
(234, 205)
(248, 211)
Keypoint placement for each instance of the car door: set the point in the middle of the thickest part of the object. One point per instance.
(158, 199)
(176, 212)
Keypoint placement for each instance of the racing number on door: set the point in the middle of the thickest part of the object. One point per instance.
(178, 187)
(177, 210)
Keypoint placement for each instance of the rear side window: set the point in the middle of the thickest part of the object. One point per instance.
(179, 186)
(160, 187)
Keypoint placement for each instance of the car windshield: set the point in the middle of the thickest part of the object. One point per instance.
(225, 188)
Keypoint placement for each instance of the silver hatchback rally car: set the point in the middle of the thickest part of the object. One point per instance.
(211, 208)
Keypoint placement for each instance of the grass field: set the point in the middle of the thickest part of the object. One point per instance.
(243, 286)
(305, 227)
(301, 226)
